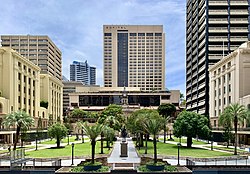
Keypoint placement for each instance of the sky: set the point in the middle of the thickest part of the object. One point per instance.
(76, 27)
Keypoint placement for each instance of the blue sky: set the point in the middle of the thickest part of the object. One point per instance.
(75, 26)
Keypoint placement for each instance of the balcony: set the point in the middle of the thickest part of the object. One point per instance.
(238, 12)
(217, 21)
(218, 12)
(239, 3)
(238, 39)
(238, 30)
(215, 48)
(218, 30)
(217, 39)
(216, 3)
(238, 21)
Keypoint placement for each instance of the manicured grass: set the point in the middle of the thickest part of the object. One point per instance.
(228, 149)
(65, 140)
(184, 140)
(171, 150)
(82, 149)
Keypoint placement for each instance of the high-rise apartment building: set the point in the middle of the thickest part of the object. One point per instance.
(82, 72)
(213, 29)
(134, 56)
(38, 49)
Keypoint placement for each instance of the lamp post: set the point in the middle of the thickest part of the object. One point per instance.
(212, 141)
(82, 137)
(72, 153)
(68, 138)
(179, 145)
(36, 141)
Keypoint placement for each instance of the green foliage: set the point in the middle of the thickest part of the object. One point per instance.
(50, 121)
(92, 131)
(57, 131)
(19, 119)
(80, 169)
(191, 124)
(91, 164)
(233, 114)
(79, 113)
(44, 104)
(114, 112)
(167, 168)
(170, 168)
(166, 109)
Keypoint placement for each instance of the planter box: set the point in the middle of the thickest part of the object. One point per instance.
(155, 168)
(92, 168)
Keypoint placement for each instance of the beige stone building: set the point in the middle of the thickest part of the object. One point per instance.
(19, 88)
(51, 90)
(134, 56)
(38, 49)
(229, 83)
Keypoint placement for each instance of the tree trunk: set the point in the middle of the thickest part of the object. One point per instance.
(164, 133)
(57, 142)
(189, 141)
(155, 150)
(101, 143)
(141, 140)
(18, 129)
(235, 135)
(93, 142)
(146, 144)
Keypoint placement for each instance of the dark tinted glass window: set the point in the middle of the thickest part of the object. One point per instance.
(132, 34)
(158, 34)
(107, 34)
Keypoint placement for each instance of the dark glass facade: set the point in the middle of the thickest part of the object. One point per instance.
(105, 100)
(122, 56)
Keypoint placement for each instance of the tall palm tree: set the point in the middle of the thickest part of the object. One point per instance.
(237, 114)
(92, 131)
(154, 125)
(20, 120)
(166, 110)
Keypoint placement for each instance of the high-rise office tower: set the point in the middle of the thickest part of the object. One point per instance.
(134, 56)
(82, 72)
(38, 49)
(213, 29)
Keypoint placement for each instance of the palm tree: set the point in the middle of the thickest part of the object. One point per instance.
(166, 110)
(20, 120)
(92, 131)
(236, 113)
(154, 125)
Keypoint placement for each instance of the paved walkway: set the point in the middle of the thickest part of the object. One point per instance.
(132, 155)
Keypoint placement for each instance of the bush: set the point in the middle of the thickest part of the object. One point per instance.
(80, 169)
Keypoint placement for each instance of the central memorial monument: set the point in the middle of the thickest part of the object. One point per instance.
(124, 144)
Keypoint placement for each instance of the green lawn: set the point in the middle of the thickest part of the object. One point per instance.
(228, 149)
(65, 140)
(79, 150)
(171, 150)
(184, 140)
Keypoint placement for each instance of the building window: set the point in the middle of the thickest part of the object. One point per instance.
(214, 123)
(229, 77)
(229, 88)
(158, 34)
(132, 34)
(141, 34)
(229, 100)
(107, 34)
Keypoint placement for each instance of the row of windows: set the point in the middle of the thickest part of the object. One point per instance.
(139, 34)
(223, 68)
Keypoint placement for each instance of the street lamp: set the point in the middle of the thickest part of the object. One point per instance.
(179, 145)
(36, 141)
(212, 141)
(82, 137)
(72, 153)
(68, 138)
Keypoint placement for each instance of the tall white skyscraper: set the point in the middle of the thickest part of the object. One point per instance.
(82, 72)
